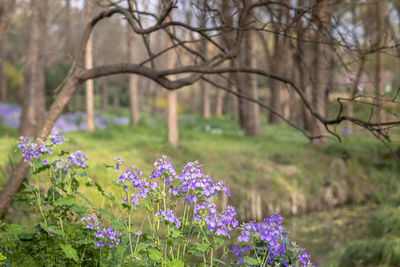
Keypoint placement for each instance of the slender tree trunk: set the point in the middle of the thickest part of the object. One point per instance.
(194, 109)
(252, 109)
(277, 64)
(247, 83)
(116, 100)
(172, 105)
(68, 36)
(219, 102)
(172, 118)
(205, 99)
(234, 99)
(133, 88)
(3, 78)
(6, 11)
(319, 98)
(353, 91)
(33, 106)
(379, 87)
(89, 93)
(104, 93)
(204, 86)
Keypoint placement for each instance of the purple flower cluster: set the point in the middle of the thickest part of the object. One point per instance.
(10, 114)
(163, 166)
(303, 258)
(198, 192)
(77, 159)
(270, 236)
(56, 138)
(131, 178)
(32, 150)
(168, 216)
(106, 235)
(90, 222)
(223, 223)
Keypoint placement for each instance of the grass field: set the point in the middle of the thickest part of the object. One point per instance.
(280, 164)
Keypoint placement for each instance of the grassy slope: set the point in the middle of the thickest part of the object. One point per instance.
(279, 164)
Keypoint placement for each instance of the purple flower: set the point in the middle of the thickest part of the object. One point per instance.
(77, 159)
(56, 138)
(139, 232)
(169, 217)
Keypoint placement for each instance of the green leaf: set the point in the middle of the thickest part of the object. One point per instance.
(28, 186)
(85, 198)
(174, 233)
(118, 225)
(106, 214)
(175, 263)
(15, 229)
(154, 254)
(202, 247)
(218, 242)
(250, 260)
(99, 188)
(69, 252)
(78, 208)
(68, 200)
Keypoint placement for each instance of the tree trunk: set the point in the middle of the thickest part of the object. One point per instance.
(205, 99)
(89, 93)
(3, 78)
(172, 118)
(116, 100)
(247, 83)
(133, 92)
(33, 106)
(319, 103)
(219, 100)
(104, 93)
(379, 87)
(252, 109)
(14, 182)
(6, 11)
(172, 106)
(234, 99)
(67, 28)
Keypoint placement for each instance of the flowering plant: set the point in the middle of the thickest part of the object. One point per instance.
(168, 218)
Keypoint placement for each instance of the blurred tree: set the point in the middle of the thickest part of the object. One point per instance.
(133, 83)
(6, 11)
(321, 17)
(89, 92)
(172, 105)
(279, 61)
(380, 42)
(33, 106)
(247, 82)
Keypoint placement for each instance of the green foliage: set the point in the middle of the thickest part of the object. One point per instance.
(15, 76)
(383, 247)
(142, 229)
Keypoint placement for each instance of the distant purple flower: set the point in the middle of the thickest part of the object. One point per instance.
(139, 232)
